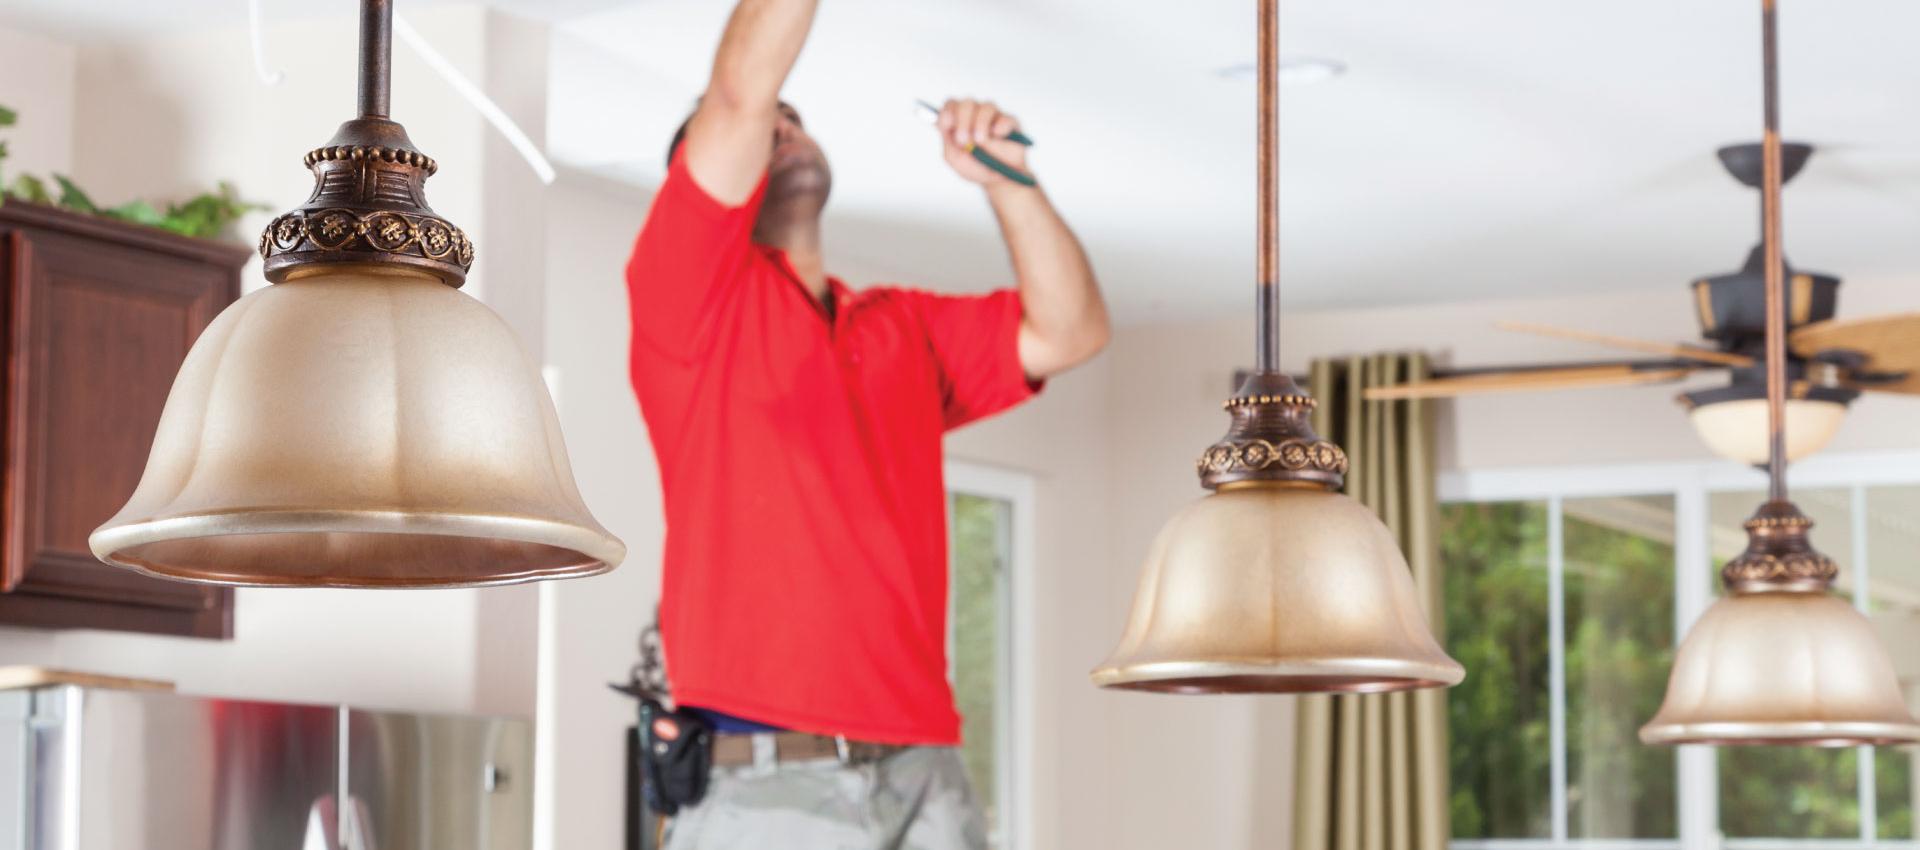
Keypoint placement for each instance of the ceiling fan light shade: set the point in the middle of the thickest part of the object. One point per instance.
(1791, 668)
(358, 426)
(1276, 588)
(1737, 429)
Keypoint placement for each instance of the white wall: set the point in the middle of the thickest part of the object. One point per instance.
(171, 115)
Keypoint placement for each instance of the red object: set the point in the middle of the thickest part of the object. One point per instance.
(805, 571)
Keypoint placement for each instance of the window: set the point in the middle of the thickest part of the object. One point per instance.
(989, 514)
(1565, 592)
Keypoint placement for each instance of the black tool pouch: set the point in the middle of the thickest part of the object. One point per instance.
(676, 756)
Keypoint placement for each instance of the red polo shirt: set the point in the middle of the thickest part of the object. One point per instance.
(805, 577)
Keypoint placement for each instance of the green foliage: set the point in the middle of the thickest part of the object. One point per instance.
(72, 198)
(1494, 558)
(7, 119)
(1619, 623)
(29, 188)
(1789, 792)
(205, 216)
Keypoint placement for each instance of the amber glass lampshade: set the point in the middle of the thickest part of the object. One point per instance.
(358, 427)
(1782, 668)
(1779, 659)
(1277, 582)
(1273, 588)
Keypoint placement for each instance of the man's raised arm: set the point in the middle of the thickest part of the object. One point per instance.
(730, 138)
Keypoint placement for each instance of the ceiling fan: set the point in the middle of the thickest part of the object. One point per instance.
(1831, 361)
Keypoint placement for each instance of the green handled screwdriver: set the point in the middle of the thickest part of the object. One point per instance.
(932, 114)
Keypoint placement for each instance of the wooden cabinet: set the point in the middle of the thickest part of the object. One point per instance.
(98, 316)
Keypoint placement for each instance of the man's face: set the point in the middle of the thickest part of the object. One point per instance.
(798, 166)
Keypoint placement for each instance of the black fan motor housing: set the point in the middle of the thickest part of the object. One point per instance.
(1732, 308)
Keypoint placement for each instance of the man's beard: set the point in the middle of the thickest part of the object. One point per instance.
(798, 181)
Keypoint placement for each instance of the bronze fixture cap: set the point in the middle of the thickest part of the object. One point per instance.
(1272, 440)
(369, 207)
(1779, 557)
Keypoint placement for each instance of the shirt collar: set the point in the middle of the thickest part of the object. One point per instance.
(843, 295)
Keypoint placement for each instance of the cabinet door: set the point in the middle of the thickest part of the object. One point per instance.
(96, 331)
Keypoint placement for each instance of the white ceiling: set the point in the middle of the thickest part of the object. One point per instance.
(1500, 148)
(1488, 149)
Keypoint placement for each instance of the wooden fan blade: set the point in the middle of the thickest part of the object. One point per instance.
(1531, 380)
(1644, 346)
(1882, 345)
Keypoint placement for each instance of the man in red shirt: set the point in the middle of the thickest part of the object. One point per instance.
(798, 426)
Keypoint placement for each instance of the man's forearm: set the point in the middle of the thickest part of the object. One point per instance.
(757, 52)
(1065, 320)
(730, 137)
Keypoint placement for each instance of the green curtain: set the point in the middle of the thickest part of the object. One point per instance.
(1371, 771)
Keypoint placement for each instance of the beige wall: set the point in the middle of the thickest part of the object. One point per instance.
(37, 78)
(591, 626)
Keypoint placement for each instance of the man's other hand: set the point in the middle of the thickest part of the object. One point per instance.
(966, 123)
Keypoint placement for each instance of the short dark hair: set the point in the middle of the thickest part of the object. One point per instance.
(680, 135)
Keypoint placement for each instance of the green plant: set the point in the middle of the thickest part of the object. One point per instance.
(7, 117)
(204, 216)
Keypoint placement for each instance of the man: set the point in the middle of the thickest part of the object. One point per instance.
(798, 426)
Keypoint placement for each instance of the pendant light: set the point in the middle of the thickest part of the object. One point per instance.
(1779, 659)
(1276, 582)
(361, 422)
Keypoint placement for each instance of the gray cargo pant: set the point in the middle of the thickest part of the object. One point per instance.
(918, 799)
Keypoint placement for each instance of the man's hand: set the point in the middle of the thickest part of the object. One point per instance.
(1064, 320)
(966, 123)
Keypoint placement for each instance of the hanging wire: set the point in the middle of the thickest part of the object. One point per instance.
(487, 107)
(268, 76)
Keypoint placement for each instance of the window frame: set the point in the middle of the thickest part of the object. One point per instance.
(1017, 683)
(1690, 484)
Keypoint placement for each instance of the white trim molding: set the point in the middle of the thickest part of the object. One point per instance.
(1017, 489)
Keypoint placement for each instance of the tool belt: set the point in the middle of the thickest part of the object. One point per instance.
(676, 756)
(737, 750)
(680, 749)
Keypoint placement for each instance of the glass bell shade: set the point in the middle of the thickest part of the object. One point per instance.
(1737, 430)
(1791, 668)
(1275, 587)
(358, 426)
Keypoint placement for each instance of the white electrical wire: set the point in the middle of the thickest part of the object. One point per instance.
(270, 77)
(488, 109)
